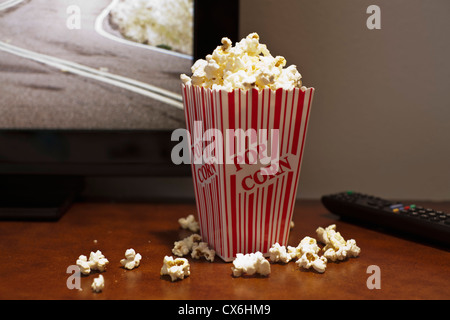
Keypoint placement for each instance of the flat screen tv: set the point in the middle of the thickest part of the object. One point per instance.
(91, 88)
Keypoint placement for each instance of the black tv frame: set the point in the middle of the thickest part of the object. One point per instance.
(43, 170)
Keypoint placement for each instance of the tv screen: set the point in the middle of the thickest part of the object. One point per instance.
(94, 64)
(92, 88)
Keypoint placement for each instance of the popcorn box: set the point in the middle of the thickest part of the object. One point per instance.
(244, 201)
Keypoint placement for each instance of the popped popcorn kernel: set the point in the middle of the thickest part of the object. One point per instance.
(178, 268)
(83, 265)
(97, 261)
(279, 254)
(311, 259)
(98, 284)
(183, 247)
(307, 244)
(336, 247)
(250, 264)
(201, 249)
(189, 223)
(132, 259)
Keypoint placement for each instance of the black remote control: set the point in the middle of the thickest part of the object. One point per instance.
(425, 223)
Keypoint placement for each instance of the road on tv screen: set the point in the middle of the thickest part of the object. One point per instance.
(57, 77)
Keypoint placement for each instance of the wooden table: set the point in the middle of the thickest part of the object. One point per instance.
(35, 257)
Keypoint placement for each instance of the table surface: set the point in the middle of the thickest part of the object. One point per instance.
(36, 255)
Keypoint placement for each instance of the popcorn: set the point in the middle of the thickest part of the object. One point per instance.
(247, 65)
(250, 264)
(310, 259)
(279, 254)
(183, 247)
(201, 250)
(322, 234)
(336, 248)
(98, 284)
(189, 223)
(97, 261)
(132, 259)
(83, 264)
(176, 269)
(307, 244)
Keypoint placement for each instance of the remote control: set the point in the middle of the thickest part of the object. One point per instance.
(425, 223)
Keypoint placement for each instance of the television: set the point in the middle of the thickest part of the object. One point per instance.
(91, 88)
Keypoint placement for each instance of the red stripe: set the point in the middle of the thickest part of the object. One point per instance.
(283, 129)
(286, 214)
(224, 179)
(279, 212)
(291, 117)
(239, 227)
(262, 110)
(231, 109)
(298, 122)
(269, 211)
(257, 215)
(233, 213)
(301, 152)
(277, 115)
(255, 98)
(250, 240)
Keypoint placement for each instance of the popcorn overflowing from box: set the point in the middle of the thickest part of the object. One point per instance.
(245, 198)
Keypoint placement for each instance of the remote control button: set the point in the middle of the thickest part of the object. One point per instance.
(432, 214)
(424, 216)
(414, 214)
(442, 217)
(435, 219)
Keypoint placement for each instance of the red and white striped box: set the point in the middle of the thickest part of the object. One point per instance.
(241, 209)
